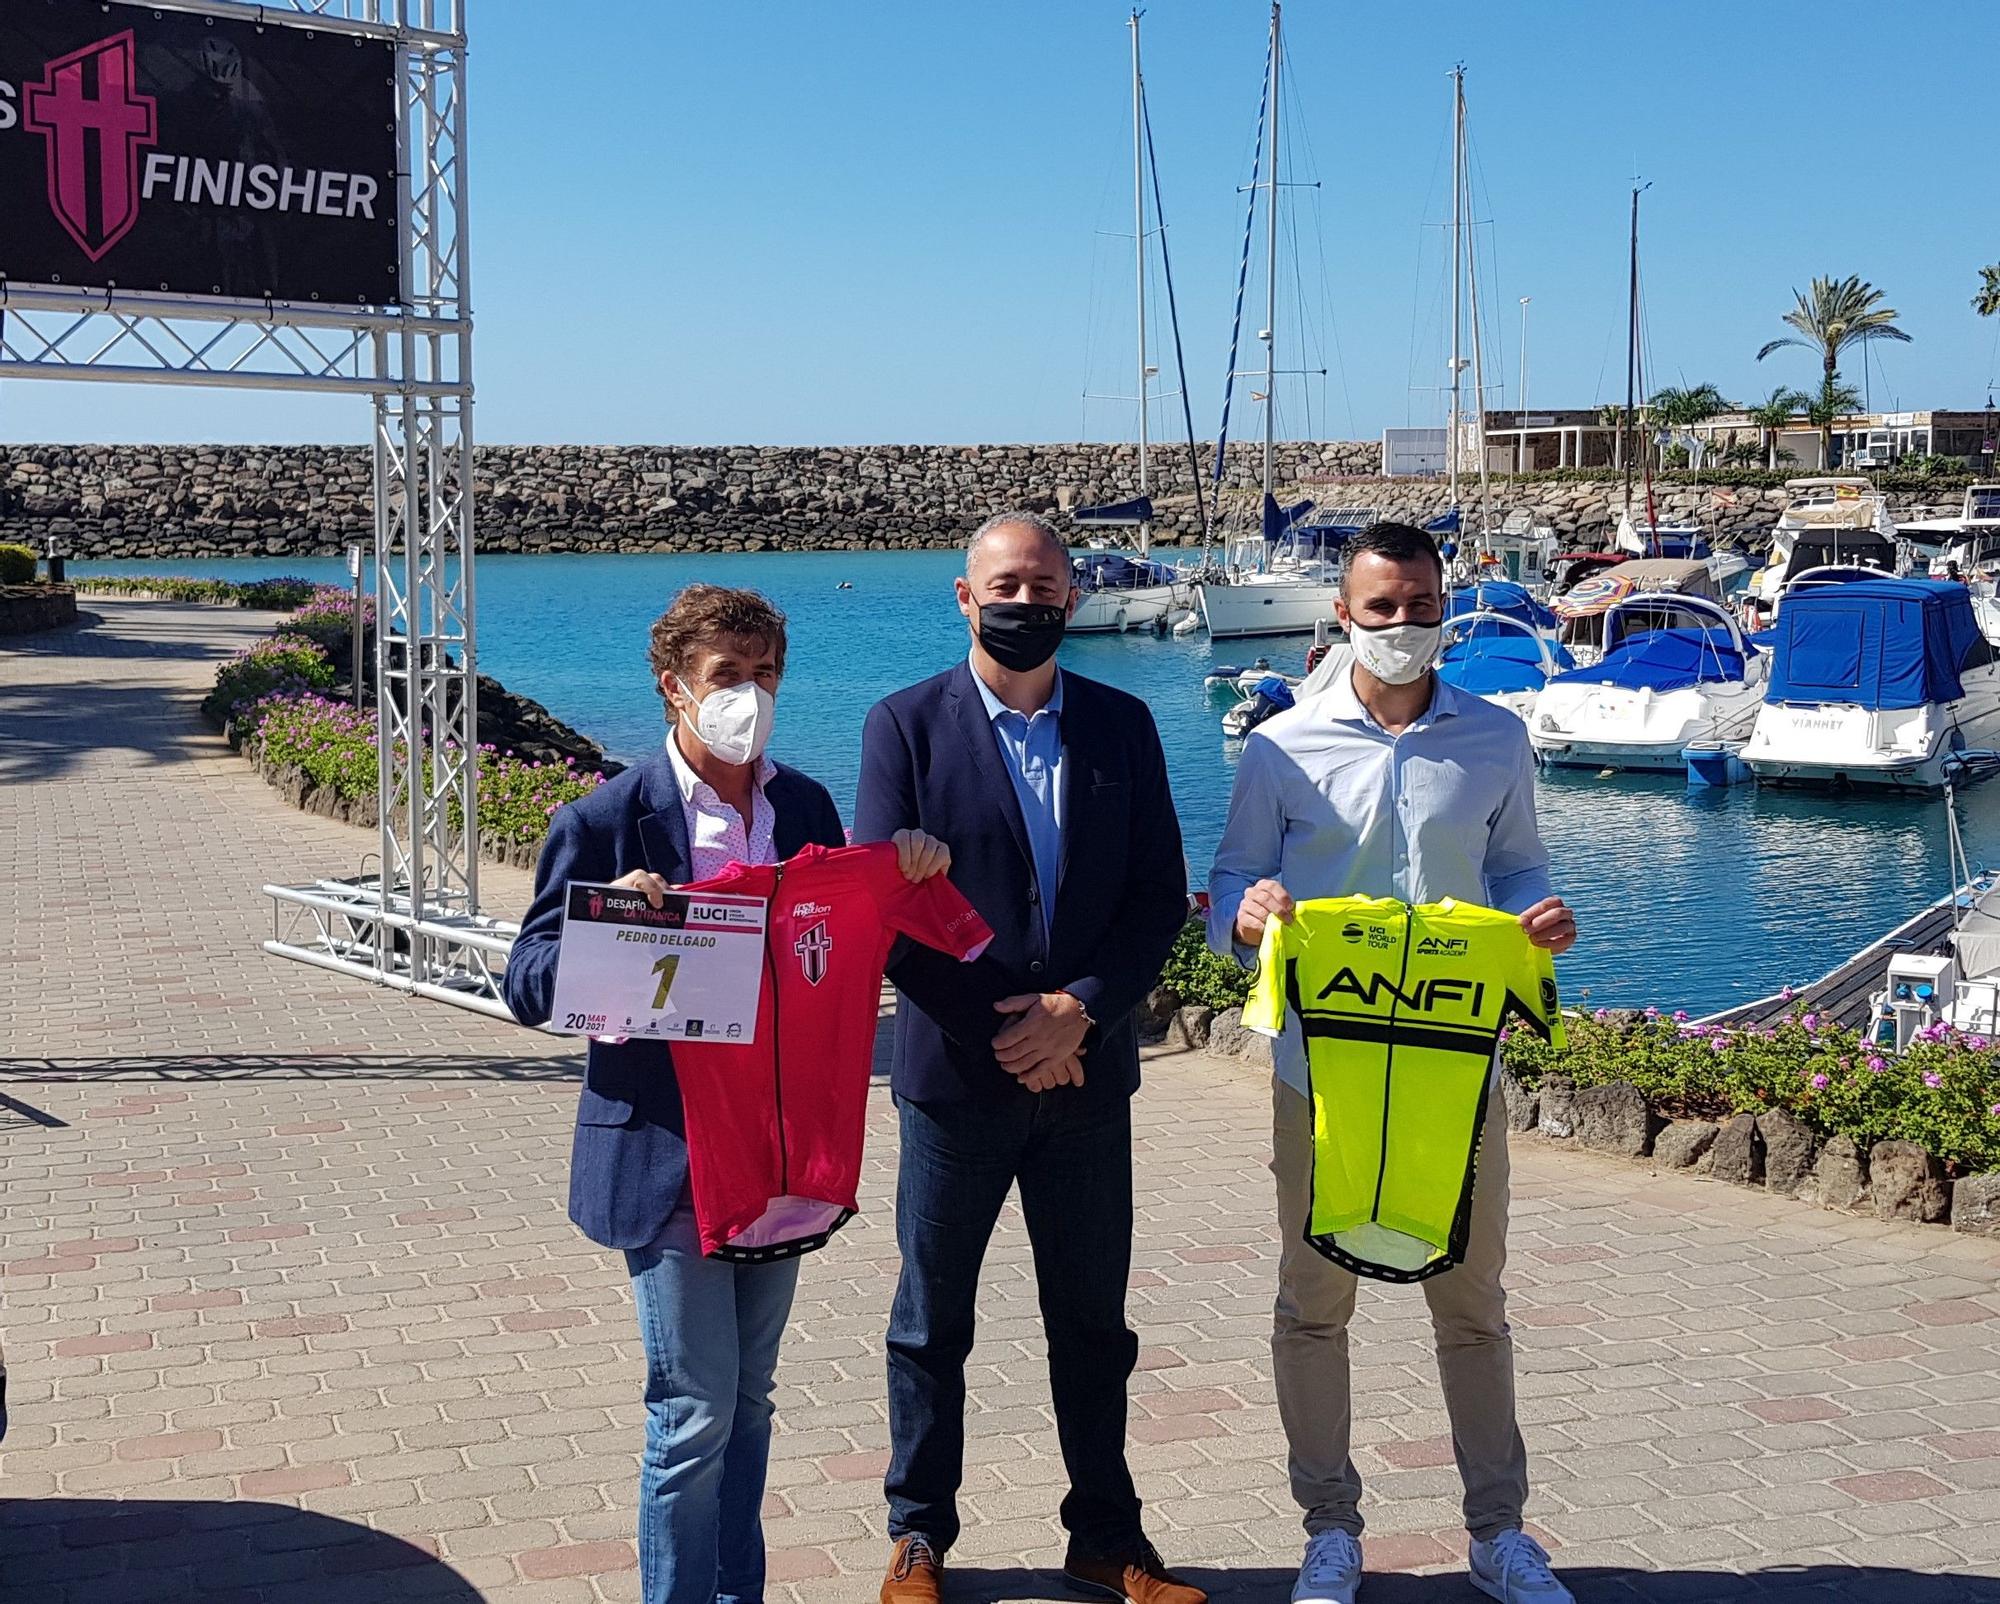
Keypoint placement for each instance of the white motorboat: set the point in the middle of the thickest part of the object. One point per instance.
(1877, 682)
(1970, 543)
(1675, 670)
(1827, 523)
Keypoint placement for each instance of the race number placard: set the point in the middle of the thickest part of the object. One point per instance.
(691, 970)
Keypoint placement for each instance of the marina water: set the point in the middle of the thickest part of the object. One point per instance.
(1686, 899)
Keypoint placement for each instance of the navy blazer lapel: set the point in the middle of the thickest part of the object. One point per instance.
(970, 714)
(663, 828)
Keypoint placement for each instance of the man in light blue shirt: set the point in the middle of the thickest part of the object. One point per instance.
(1390, 783)
(1031, 746)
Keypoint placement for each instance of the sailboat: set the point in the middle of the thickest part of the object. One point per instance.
(1132, 591)
(1517, 550)
(1281, 580)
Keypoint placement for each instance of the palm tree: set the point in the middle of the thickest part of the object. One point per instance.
(1679, 409)
(1772, 414)
(1834, 401)
(1837, 313)
(1987, 302)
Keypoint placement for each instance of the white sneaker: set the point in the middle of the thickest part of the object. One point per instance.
(1514, 1568)
(1331, 1573)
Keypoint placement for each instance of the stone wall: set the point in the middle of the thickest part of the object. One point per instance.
(29, 609)
(203, 501)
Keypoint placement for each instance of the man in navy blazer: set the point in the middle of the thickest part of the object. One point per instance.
(1020, 1067)
(711, 1328)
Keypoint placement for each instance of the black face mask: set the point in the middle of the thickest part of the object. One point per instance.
(1021, 636)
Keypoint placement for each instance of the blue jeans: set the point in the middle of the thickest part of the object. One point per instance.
(711, 1331)
(1073, 1160)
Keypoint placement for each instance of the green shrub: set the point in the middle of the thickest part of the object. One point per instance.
(1200, 978)
(283, 663)
(1944, 1093)
(17, 565)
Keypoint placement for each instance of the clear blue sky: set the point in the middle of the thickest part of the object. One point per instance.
(791, 221)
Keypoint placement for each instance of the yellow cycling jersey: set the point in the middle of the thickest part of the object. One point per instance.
(1401, 1008)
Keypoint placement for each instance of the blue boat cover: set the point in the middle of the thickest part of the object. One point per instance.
(1445, 523)
(1493, 659)
(1112, 570)
(1278, 521)
(1879, 643)
(1693, 548)
(1500, 596)
(1665, 660)
(1138, 511)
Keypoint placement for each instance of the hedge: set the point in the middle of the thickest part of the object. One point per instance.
(1942, 1093)
(17, 565)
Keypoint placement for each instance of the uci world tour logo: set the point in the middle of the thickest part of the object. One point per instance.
(814, 948)
(95, 122)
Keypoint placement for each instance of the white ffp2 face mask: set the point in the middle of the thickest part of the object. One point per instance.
(735, 722)
(1398, 654)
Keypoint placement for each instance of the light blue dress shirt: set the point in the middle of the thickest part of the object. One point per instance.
(1032, 749)
(1330, 804)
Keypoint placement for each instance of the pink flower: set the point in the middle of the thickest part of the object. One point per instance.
(1720, 1045)
(1600, 1016)
(1819, 1083)
(1810, 1021)
(1875, 1065)
(1680, 1016)
(1786, 994)
(1933, 1079)
(1995, 1111)
(1976, 1043)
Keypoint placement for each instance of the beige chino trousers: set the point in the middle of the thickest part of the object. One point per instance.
(1475, 1353)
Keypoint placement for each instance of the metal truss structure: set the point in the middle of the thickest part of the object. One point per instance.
(414, 923)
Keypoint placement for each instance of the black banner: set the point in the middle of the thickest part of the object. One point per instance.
(159, 150)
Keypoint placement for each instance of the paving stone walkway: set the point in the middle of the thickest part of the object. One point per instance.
(293, 1315)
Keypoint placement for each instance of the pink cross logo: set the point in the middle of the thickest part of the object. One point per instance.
(95, 123)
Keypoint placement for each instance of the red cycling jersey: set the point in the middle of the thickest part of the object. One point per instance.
(775, 1127)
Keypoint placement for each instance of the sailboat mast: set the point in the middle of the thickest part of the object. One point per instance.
(1478, 347)
(1628, 432)
(1457, 271)
(1271, 273)
(1139, 264)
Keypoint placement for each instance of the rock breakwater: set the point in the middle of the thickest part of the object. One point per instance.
(215, 501)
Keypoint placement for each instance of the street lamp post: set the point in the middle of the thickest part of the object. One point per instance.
(1524, 359)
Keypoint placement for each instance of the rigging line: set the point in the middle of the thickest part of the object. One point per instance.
(1242, 280)
(1417, 277)
(1306, 335)
(1174, 316)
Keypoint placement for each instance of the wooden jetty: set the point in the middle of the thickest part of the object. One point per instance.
(1844, 993)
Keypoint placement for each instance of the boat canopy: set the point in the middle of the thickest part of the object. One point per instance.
(1137, 511)
(1279, 521)
(1500, 596)
(1878, 643)
(1490, 660)
(1664, 660)
(1604, 590)
(1113, 570)
(1445, 523)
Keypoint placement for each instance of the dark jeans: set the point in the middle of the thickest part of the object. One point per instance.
(1073, 1161)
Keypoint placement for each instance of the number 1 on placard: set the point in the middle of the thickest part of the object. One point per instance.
(664, 967)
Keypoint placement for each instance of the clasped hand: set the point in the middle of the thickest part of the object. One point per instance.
(1043, 1047)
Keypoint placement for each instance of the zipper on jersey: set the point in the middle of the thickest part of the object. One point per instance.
(1389, 1063)
(777, 1037)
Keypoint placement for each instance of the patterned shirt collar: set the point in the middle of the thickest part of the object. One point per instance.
(690, 783)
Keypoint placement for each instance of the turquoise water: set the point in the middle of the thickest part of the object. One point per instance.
(1686, 899)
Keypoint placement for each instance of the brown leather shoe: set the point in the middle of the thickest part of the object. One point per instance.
(1140, 1577)
(916, 1573)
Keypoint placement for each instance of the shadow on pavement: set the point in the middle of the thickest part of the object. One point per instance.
(183, 1552)
(1799, 1584)
(297, 1066)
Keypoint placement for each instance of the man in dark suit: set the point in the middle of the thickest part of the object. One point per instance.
(1020, 1068)
(711, 1328)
